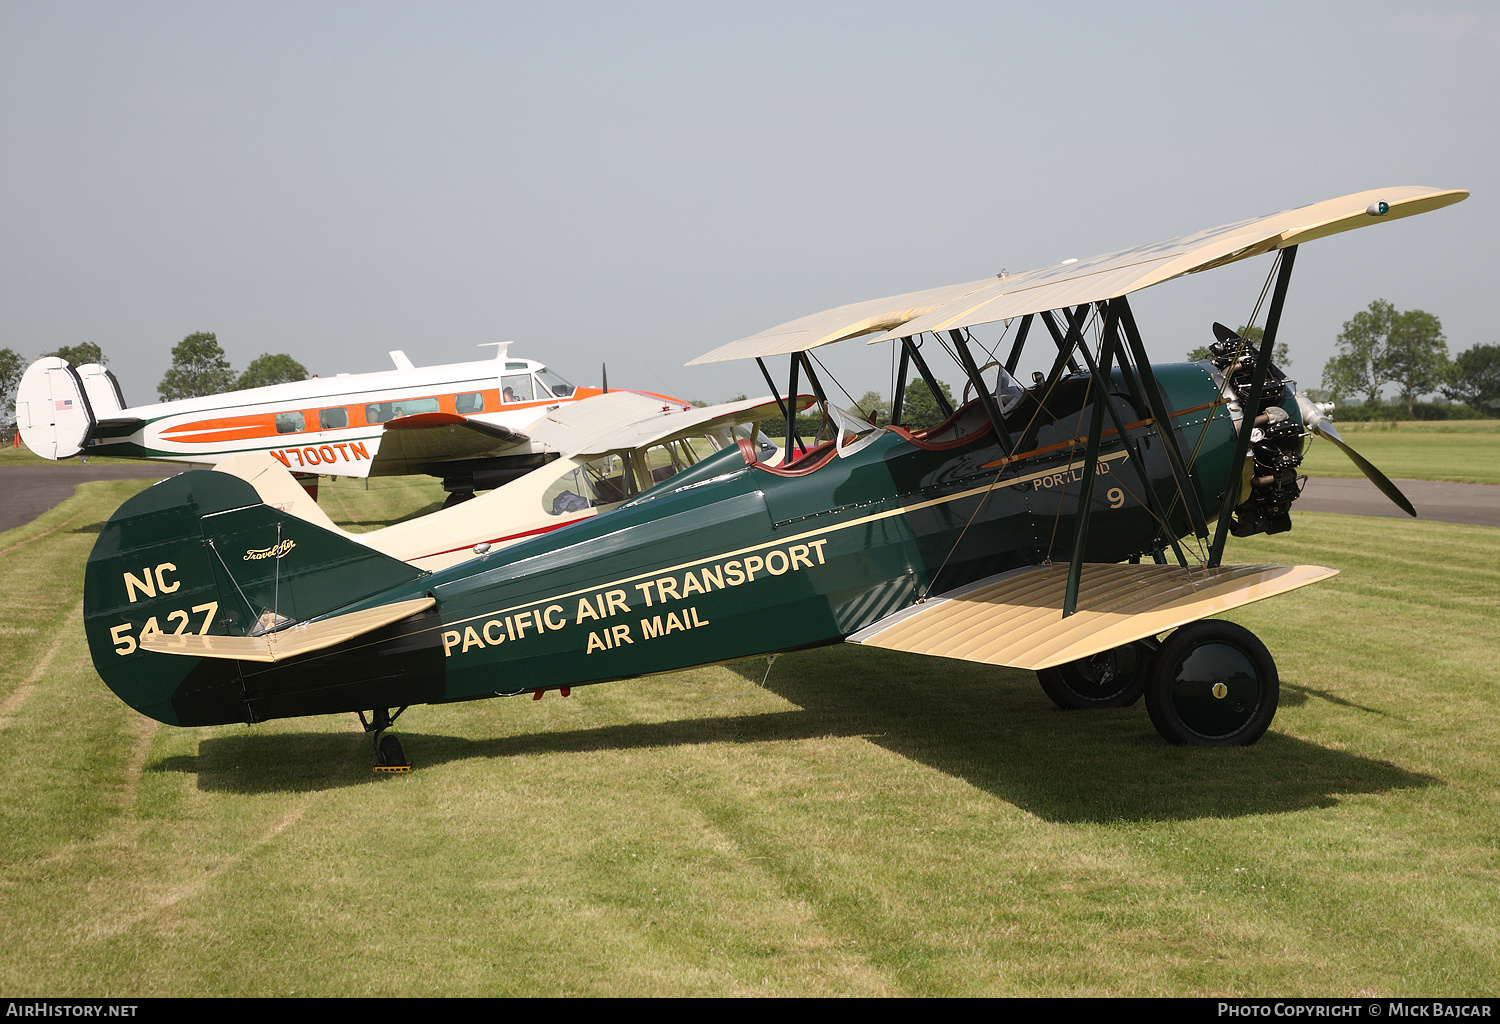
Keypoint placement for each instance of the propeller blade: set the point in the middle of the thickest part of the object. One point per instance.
(1323, 427)
(1223, 333)
(1377, 478)
(604, 371)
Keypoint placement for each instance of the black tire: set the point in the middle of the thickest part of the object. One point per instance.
(1212, 684)
(389, 753)
(1111, 679)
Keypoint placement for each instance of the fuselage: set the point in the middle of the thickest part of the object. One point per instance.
(333, 425)
(729, 559)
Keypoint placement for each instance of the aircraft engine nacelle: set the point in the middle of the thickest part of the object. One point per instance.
(1277, 439)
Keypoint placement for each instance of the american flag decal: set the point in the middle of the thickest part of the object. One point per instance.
(63, 403)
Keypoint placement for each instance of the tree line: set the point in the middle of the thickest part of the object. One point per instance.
(199, 367)
(1382, 346)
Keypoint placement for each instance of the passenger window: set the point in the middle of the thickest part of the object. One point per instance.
(333, 419)
(569, 493)
(667, 460)
(466, 404)
(606, 481)
(412, 406)
(289, 422)
(516, 387)
(379, 412)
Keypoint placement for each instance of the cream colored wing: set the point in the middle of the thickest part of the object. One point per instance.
(1015, 619)
(1086, 280)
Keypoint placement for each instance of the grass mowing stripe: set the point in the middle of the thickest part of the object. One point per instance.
(868, 823)
(17, 696)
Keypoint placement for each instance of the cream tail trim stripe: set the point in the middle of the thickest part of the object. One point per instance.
(302, 638)
(1015, 619)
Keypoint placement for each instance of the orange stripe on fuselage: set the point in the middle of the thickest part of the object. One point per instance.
(223, 429)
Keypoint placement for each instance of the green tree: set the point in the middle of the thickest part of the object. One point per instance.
(79, 355)
(198, 368)
(11, 368)
(920, 410)
(870, 402)
(1475, 378)
(1254, 335)
(1417, 355)
(268, 369)
(1361, 365)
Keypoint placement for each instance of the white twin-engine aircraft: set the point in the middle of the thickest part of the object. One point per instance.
(464, 422)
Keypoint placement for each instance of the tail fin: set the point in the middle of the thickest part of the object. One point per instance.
(52, 409)
(102, 389)
(200, 554)
(277, 487)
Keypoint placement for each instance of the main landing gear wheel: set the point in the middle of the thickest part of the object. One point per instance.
(1212, 684)
(1110, 679)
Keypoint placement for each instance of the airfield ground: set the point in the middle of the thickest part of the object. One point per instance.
(862, 823)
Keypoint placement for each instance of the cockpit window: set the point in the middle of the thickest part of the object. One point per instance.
(553, 383)
(516, 387)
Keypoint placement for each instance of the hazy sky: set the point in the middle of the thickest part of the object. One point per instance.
(639, 183)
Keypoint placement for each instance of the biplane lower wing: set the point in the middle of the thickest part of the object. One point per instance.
(1015, 619)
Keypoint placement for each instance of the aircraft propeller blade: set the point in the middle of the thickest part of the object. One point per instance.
(604, 372)
(1312, 416)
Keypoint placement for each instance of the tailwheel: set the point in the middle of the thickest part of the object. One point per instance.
(1212, 684)
(1109, 679)
(389, 757)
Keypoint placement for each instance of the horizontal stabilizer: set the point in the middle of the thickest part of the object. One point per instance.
(118, 427)
(303, 638)
(1015, 619)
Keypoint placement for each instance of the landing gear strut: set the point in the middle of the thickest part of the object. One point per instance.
(389, 757)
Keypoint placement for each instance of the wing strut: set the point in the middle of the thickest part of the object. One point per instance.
(791, 414)
(1015, 350)
(1251, 410)
(932, 384)
(1061, 340)
(1146, 381)
(986, 398)
(777, 395)
(1090, 460)
(898, 398)
(1074, 336)
(1102, 378)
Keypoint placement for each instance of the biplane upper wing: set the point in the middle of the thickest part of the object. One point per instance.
(1016, 619)
(411, 443)
(1086, 280)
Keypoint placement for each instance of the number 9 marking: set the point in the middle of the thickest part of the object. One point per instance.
(1116, 497)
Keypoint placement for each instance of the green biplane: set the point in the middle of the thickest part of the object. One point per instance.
(1062, 527)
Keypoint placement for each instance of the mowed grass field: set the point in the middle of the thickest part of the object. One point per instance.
(864, 823)
(1464, 451)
